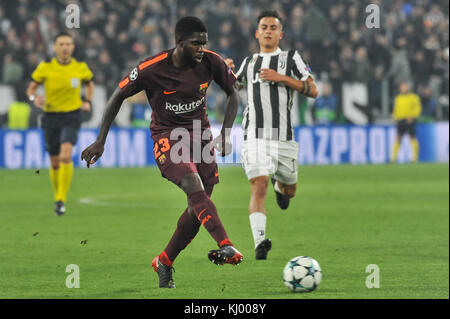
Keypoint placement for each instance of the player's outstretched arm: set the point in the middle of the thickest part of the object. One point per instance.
(223, 142)
(94, 151)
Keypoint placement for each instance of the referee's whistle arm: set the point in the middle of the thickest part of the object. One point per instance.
(37, 100)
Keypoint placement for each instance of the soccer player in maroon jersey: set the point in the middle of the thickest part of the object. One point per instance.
(175, 82)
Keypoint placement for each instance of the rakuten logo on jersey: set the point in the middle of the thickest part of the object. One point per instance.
(184, 107)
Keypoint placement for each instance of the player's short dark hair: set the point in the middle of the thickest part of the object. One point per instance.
(186, 26)
(269, 14)
(62, 34)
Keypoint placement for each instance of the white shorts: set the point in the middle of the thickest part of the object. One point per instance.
(262, 157)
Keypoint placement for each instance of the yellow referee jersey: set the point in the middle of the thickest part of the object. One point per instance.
(407, 106)
(62, 83)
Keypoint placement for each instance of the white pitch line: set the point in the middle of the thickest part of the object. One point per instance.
(105, 201)
(108, 203)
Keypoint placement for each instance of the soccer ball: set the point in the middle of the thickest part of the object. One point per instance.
(302, 274)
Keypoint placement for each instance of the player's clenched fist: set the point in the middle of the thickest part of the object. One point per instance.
(39, 101)
(230, 63)
(92, 153)
(270, 75)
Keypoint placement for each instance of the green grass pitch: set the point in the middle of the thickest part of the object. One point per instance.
(346, 217)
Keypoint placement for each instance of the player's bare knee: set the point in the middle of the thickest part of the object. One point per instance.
(259, 186)
(65, 158)
(65, 155)
(191, 183)
(260, 180)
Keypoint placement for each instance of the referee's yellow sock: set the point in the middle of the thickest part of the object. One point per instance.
(54, 173)
(395, 152)
(415, 147)
(64, 180)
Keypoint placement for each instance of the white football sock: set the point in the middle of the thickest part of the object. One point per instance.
(258, 225)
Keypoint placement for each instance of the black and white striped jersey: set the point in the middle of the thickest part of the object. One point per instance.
(268, 111)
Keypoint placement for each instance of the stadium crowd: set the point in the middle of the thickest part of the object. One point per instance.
(410, 45)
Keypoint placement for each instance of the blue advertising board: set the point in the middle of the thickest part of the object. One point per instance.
(318, 145)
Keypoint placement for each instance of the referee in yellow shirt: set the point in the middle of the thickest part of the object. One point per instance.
(407, 109)
(62, 78)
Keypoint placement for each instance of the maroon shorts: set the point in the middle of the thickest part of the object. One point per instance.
(178, 157)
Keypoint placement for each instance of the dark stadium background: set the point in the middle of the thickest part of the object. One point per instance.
(411, 44)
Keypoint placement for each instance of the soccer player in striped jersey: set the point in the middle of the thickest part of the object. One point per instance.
(175, 82)
(269, 147)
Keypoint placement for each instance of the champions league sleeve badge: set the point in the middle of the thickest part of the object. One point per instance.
(134, 74)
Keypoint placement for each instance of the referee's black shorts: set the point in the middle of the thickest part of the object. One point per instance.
(60, 127)
(403, 127)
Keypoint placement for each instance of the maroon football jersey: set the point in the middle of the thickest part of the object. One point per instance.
(177, 96)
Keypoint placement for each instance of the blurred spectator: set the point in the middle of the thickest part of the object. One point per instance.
(422, 67)
(106, 72)
(141, 111)
(12, 70)
(328, 53)
(375, 92)
(428, 104)
(346, 61)
(363, 70)
(331, 35)
(434, 16)
(156, 44)
(379, 53)
(324, 107)
(5, 23)
(400, 70)
(417, 18)
(315, 26)
(412, 40)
